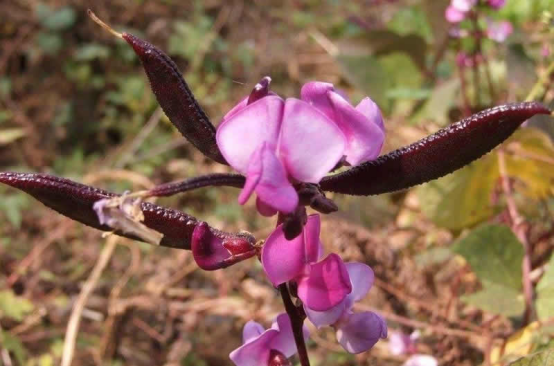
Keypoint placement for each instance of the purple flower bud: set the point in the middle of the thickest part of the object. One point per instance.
(497, 4)
(212, 252)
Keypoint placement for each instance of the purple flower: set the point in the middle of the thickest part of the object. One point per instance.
(321, 284)
(277, 143)
(497, 4)
(499, 31)
(356, 332)
(458, 9)
(260, 347)
(401, 343)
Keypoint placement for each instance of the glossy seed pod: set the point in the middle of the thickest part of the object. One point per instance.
(75, 200)
(176, 98)
(437, 155)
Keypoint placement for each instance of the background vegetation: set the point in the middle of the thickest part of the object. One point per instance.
(447, 255)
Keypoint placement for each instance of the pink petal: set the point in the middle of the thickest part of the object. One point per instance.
(251, 330)
(369, 109)
(255, 352)
(310, 144)
(399, 343)
(326, 284)
(266, 175)
(284, 341)
(454, 15)
(361, 331)
(361, 278)
(239, 106)
(313, 245)
(364, 135)
(243, 132)
(265, 209)
(421, 360)
(315, 93)
(329, 317)
(463, 5)
(282, 260)
(207, 249)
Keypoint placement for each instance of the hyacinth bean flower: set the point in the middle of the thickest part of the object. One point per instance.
(356, 332)
(271, 347)
(499, 31)
(322, 284)
(277, 143)
(458, 10)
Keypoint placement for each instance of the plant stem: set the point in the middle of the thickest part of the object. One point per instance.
(533, 94)
(297, 321)
(518, 227)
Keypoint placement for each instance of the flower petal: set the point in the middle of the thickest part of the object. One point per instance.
(369, 109)
(313, 245)
(399, 343)
(239, 106)
(421, 360)
(284, 341)
(363, 132)
(246, 129)
(329, 317)
(266, 175)
(315, 93)
(251, 330)
(361, 331)
(326, 285)
(282, 260)
(265, 209)
(255, 352)
(361, 278)
(311, 144)
(454, 15)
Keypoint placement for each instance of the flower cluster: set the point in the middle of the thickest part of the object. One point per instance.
(327, 287)
(459, 10)
(278, 143)
(269, 347)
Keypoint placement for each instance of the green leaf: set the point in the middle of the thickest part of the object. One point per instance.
(461, 199)
(49, 43)
(432, 256)
(367, 74)
(13, 306)
(14, 345)
(545, 293)
(438, 105)
(91, 52)
(384, 42)
(494, 254)
(497, 299)
(55, 19)
(543, 358)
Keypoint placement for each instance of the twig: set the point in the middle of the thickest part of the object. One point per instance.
(88, 288)
(518, 227)
(533, 94)
(297, 322)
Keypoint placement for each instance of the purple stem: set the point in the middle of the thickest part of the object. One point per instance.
(215, 179)
(297, 322)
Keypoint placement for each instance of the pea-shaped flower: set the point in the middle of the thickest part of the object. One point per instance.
(266, 347)
(277, 143)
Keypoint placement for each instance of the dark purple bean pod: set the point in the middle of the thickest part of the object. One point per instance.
(75, 200)
(435, 156)
(176, 98)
